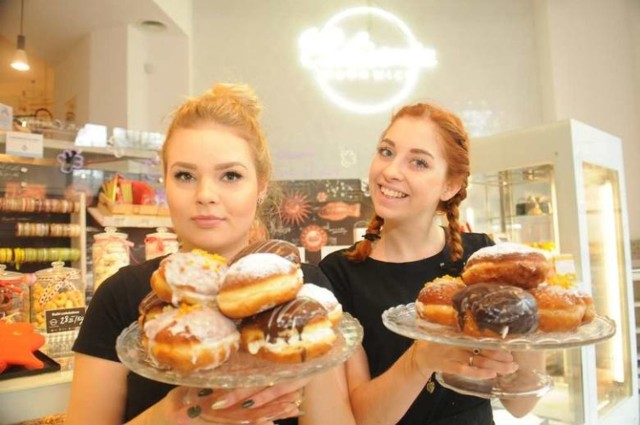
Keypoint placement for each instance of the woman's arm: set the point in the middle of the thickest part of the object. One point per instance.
(527, 360)
(386, 398)
(326, 400)
(98, 392)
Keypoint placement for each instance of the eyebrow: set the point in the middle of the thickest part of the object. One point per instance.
(414, 151)
(222, 166)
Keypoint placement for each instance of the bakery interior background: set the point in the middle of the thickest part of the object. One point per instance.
(502, 65)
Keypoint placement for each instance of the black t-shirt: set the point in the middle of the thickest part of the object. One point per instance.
(115, 306)
(368, 288)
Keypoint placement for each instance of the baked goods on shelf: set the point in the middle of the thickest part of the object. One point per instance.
(507, 263)
(435, 300)
(495, 310)
(296, 331)
(258, 282)
(191, 277)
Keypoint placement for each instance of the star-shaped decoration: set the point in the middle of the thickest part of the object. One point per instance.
(18, 341)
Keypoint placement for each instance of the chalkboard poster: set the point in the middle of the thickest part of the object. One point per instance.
(314, 214)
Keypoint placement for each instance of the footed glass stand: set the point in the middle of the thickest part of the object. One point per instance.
(403, 321)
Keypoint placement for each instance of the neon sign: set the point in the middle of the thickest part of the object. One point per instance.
(360, 72)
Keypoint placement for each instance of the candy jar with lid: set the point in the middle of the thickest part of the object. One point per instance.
(14, 296)
(57, 299)
(110, 253)
(160, 243)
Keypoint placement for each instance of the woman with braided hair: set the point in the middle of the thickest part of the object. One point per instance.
(419, 171)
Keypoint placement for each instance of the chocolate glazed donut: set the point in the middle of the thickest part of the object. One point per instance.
(495, 310)
(292, 323)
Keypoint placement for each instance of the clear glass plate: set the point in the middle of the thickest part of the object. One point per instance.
(242, 369)
(522, 383)
(402, 320)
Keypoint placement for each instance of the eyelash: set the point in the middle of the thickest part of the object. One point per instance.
(228, 176)
(183, 176)
(386, 153)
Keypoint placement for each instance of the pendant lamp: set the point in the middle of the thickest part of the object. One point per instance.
(20, 61)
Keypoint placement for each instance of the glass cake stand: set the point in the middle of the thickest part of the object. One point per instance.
(402, 320)
(242, 370)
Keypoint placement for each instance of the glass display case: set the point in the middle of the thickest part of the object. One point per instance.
(560, 187)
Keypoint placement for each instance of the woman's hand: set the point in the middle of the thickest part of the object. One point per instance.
(186, 405)
(430, 357)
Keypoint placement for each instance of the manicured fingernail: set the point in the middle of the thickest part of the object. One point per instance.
(248, 403)
(205, 392)
(194, 411)
(219, 404)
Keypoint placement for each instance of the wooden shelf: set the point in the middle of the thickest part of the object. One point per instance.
(123, 220)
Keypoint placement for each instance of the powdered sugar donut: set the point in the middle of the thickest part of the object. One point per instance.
(274, 246)
(325, 297)
(435, 300)
(258, 282)
(191, 277)
(508, 264)
(190, 338)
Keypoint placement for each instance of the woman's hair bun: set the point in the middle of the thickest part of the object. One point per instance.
(240, 95)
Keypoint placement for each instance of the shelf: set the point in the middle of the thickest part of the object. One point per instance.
(122, 220)
(65, 144)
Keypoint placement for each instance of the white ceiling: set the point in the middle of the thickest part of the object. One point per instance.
(52, 27)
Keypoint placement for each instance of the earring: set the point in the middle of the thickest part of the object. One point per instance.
(260, 201)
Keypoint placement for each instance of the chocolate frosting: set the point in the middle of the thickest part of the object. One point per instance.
(504, 309)
(274, 246)
(281, 320)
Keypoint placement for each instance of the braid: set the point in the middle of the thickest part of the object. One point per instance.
(362, 250)
(452, 210)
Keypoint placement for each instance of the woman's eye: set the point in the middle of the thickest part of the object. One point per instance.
(383, 151)
(421, 163)
(183, 176)
(231, 176)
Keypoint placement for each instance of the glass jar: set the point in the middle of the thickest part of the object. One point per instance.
(161, 243)
(57, 299)
(110, 252)
(14, 296)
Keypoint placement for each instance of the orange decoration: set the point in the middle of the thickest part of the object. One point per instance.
(18, 341)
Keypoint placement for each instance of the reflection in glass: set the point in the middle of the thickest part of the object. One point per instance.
(608, 282)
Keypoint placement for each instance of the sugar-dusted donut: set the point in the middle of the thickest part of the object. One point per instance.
(189, 338)
(435, 300)
(559, 309)
(324, 297)
(495, 310)
(257, 282)
(507, 264)
(294, 332)
(191, 277)
(273, 246)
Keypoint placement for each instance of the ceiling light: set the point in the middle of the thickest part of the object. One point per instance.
(20, 61)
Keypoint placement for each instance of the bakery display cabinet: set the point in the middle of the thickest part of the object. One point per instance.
(561, 187)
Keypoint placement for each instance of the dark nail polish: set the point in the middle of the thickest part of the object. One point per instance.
(248, 404)
(194, 411)
(205, 392)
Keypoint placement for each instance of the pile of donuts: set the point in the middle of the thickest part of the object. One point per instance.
(203, 309)
(503, 292)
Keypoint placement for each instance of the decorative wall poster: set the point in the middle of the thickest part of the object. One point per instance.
(317, 214)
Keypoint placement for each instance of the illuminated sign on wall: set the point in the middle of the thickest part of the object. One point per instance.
(365, 59)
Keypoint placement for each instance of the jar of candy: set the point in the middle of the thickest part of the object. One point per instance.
(160, 243)
(14, 296)
(57, 299)
(110, 252)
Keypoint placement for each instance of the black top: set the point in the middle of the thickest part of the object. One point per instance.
(368, 288)
(115, 306)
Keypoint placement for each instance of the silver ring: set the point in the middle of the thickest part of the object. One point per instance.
(476, 351)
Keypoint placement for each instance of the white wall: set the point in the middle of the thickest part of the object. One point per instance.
(75, 81)
(514, 64)
(486, 60)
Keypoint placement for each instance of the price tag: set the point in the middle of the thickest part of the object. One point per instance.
(65, 319)
(24, 144)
